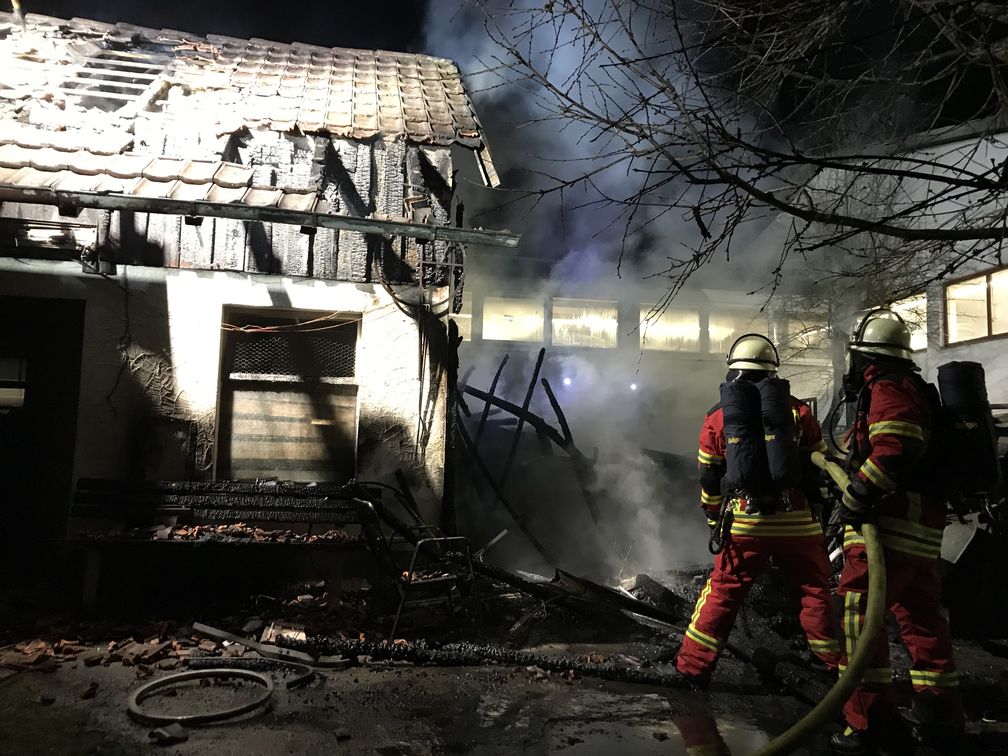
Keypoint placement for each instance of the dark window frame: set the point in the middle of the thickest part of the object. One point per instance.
(991, 336)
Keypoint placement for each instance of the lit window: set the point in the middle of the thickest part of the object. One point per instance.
(670, 330)
(506, 319)
(584, 323)
(12, 383)
(725, 327)
(966, 310)
(914, 311)
(999, 302)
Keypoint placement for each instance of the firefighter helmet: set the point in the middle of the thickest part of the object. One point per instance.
(882, 332)
(753, 351)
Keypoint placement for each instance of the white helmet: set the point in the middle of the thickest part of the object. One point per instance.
(882, 332)
(753, 351)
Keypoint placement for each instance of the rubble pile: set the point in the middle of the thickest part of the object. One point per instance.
(238, 532)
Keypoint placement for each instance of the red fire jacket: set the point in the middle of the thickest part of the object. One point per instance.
(891, 434)
(711, 459)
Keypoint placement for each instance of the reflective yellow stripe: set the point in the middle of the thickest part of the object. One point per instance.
(936, 679)
(703, 639)
(872, 471)
(907, 546)
(910, 529)
(852, 537)
(700, 602)
(819, 446)
(896, 428)
(823, 645)
(851, 621)
(802, 515)
(876, 675)
(707, 498)
(709, 459)
(777, 531)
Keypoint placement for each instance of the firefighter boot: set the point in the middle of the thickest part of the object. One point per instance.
(850, 742)
(888, 738)
(934, 723)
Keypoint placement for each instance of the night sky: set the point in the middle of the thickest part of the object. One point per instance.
(369, 24)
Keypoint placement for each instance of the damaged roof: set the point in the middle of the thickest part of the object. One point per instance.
(121, 117)
(65, 74)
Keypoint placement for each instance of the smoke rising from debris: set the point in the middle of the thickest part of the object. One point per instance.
(617, 400)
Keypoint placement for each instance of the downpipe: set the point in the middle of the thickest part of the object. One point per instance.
(826, 710)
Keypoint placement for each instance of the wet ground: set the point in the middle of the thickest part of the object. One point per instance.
(382, 708)
(391, 710)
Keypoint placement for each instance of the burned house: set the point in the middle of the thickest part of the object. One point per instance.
(224, 259)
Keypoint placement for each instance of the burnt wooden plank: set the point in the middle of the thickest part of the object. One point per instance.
(164, 232)
(196, 243)
(229, 244)
(259, 254)
(325, 253)
(291, 248)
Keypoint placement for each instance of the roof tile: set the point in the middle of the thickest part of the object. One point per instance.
(198, 171)
(86, 163)
(225, 195)
(68, 181)
(190, 192)
(15, 156)
(113, 185)
(303, 202)
(262, 197)
(128, 165)
(146, 187)
(164, 169)
(233, 176)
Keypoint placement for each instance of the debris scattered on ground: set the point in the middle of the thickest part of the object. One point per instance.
(169, 734)
(224, 533)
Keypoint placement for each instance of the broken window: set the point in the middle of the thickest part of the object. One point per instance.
(672, 330)
(914, 311)
(512, 319)
(725, 327)
(13, 384)
(288, 397)
(584, 323)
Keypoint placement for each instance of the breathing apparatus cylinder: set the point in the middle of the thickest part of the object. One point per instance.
(783, 461)
(969, 422)
(745, 450)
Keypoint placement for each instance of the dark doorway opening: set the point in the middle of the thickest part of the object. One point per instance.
(40, 368)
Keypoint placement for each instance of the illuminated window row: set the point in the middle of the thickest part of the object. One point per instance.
(595, 323)
(977, 307)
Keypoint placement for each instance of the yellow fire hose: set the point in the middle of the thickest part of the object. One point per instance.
(826, 710)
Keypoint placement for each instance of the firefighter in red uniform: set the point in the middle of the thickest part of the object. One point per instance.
(889, 486)
(780, 526)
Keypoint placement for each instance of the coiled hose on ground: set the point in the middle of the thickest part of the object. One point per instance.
(859, 661)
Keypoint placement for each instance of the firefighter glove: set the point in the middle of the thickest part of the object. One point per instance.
(858, 504)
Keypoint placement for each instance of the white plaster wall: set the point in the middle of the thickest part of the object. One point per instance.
(173, 361)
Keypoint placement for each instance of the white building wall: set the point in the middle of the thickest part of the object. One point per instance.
(152, 346)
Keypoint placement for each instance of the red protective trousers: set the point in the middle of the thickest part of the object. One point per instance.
(802, 559)
(913, 596)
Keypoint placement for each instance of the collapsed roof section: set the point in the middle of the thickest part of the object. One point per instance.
(79, 73)
(119, 117)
